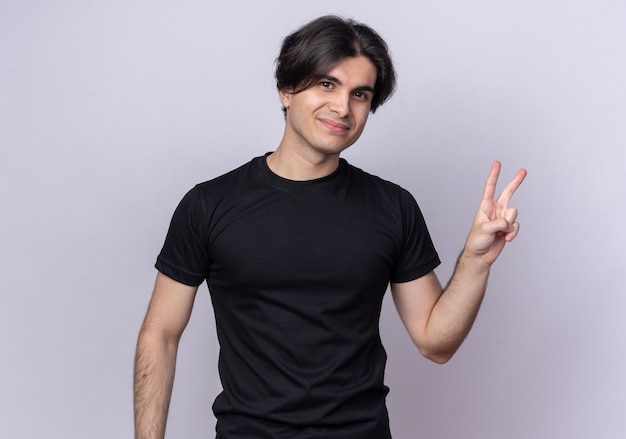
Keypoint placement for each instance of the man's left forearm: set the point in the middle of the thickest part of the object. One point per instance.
(455, 312)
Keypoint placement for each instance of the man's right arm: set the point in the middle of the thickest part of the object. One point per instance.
(155, 361)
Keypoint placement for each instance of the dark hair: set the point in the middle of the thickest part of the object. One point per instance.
(310, 52)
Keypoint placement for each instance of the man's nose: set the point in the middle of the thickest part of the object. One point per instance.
(340, 104)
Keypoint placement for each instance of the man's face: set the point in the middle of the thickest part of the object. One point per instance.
(329, 116)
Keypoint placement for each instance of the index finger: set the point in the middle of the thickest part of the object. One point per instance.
(489, 191)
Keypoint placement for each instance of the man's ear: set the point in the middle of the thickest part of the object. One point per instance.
(285, 97)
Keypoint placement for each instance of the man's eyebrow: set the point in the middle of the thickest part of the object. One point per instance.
(331, 78)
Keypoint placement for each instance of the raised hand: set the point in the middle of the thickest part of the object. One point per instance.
(495, 223)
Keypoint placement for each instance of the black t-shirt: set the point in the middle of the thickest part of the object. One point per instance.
(297, 272)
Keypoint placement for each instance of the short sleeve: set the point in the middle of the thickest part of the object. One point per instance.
(185, 255)
(418, 256)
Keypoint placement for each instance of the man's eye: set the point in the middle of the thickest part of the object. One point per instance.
(360, 95)
(325, 84)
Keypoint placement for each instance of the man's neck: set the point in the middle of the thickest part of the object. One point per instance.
(292, 165)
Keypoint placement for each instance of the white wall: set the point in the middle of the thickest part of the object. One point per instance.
(110, 111)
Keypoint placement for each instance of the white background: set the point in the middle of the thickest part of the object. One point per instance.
(111, 110)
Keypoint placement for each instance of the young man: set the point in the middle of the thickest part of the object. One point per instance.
(297, 248)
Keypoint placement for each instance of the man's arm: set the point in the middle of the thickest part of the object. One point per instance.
(438, 320)
(155, 362)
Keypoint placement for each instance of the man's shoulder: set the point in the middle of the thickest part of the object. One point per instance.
(208, 194)
(233, 175)
(374, 180)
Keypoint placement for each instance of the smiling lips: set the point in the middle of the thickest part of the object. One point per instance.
(334, 126)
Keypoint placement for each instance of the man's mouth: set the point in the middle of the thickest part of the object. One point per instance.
(334, 126)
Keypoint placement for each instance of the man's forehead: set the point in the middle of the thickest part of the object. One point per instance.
(353, 70)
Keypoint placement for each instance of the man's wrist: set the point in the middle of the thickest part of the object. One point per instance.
(473, 262)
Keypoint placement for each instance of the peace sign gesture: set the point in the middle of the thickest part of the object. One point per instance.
(495, 223)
